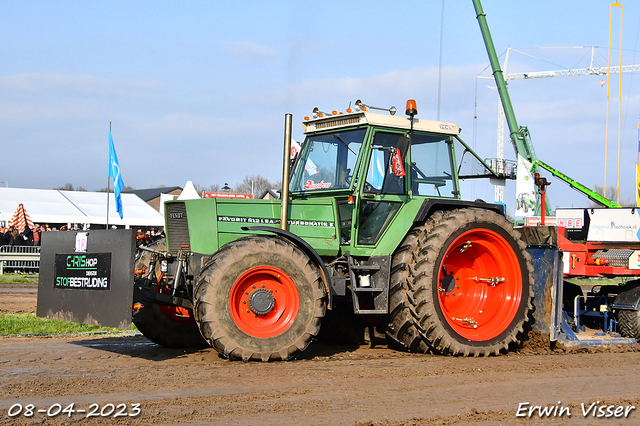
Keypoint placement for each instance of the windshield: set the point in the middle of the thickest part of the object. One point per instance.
(327, 161)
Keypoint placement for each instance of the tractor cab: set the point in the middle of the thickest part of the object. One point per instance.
(374, 164)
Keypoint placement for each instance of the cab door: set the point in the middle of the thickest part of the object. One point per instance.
(382, 187)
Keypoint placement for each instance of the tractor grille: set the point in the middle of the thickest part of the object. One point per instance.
(616, 257)
(177, 227)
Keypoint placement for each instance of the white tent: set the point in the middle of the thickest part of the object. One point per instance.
(77, 207)
(42, 205)
(135, 211)
(189, 192)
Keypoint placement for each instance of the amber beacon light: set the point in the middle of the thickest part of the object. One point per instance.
(411, 108)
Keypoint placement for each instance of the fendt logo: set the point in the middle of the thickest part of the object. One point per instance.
(176, 215)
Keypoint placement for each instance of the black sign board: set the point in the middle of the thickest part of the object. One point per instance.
(87, 277)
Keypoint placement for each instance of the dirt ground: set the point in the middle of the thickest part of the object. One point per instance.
(326, 385)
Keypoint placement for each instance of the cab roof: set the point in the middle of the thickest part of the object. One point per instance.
(366, 117)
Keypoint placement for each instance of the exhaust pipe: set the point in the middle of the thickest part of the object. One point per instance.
(286, 160)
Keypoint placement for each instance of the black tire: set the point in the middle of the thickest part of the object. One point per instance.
(420, 311)
(168, 330)
(224, 299)
(629, 322)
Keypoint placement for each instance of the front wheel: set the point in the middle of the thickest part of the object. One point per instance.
(461, 285)
(259, 298)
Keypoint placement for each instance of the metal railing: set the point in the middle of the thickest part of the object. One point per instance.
(19, 258)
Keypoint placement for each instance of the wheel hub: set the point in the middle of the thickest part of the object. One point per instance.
(448, 283)
(261, 301)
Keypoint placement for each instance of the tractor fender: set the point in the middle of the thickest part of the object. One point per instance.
(431, 204)
(305, 247)
(628, 299)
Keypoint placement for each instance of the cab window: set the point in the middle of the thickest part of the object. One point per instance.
(432, 169)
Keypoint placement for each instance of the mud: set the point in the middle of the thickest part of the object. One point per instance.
(18, 298)
(327, 385)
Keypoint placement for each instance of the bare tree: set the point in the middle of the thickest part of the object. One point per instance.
(69, 187)
(124, 188)
(260, 185)
(612, 194)
(210, 188)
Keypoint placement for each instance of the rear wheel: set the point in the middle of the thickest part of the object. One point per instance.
(259, 298)
(461, 285)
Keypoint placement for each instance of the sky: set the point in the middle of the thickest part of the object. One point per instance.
(197, 91)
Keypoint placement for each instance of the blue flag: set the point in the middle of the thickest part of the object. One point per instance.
(114, 172)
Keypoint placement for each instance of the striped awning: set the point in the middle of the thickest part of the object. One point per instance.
(21, 219)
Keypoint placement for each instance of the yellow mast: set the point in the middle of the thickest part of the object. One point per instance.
(638, 170)
(615, 4)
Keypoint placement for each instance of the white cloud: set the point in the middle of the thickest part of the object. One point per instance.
(74, 84)
(179, 127)
(382, 90)
(248, 51)
(33, 99)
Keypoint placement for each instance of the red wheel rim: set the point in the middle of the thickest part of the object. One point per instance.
(480, 285)
(264, 302)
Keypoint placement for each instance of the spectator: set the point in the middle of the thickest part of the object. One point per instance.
(5, 236)
(36, 235)
(27, 234)
(16, 238)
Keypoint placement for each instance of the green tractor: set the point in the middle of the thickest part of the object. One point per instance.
(370, 224)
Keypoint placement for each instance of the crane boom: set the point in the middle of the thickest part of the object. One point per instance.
(577, 185)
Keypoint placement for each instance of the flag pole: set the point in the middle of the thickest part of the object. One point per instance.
(108, 187)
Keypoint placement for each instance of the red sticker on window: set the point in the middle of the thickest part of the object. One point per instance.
(312, 185)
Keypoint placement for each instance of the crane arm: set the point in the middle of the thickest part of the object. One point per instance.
(569, 73)
(594, 196)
